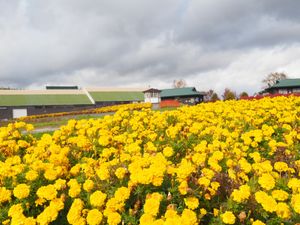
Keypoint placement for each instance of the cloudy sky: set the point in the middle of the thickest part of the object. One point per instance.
(139, 43)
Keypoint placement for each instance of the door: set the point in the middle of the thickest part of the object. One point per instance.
(19, 113)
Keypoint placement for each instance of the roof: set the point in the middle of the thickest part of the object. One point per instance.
(39, 100)
(152, 90)
(62, 87)
(103, 96)
(43, 97)
(286, 83)
(40, 92)
(187, 91)
(114, 89)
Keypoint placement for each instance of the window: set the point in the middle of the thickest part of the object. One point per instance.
(296, 90)
(282, 91)
(152, 95)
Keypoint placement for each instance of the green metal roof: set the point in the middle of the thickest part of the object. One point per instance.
(287, 83)
(187, 91)
(104, 96)
(44, 99)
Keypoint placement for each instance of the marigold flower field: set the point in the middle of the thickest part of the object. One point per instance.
(232, 162)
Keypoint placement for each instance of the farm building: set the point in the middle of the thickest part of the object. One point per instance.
(114, 96)
(187, 95)
(17, 103)
(152, 95)
(286, 86)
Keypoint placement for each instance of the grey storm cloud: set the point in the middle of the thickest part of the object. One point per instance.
(211, 44)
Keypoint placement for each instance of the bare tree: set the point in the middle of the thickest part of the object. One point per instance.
(179, 83)
(209, 95)
(214, 97)
(272, 78)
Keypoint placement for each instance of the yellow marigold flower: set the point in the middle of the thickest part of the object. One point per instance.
(120, 172)
(158, 222)
(215, 212)
(74, 214)
(146, 219)
(245, 166)
(266, 181)
(199, 158)
(294, 184)
(21, 191)
(50, 213)
(15, 210)
(104, 140)
(258, 222)
(168, 151)
(88, 185)
(228, 217)
(203, 212)
(188, 217)
(103, 172)
(183, 188)
(215, 185)
(295, 202)
(185, 169)
(113, 218)
(280, 195)
(241, 194)
(75, 188)
(94, 217)
(97, 199)
(122, 194)
(60, 184)
(283, 210)
(5, 195)
(255, 156)
(75, 170)
(267, 202)
(51, 174)
(203, 181)
(191, 202)
(31, 175)
(281, 166)
(47, 192)
(151, 206)
(171, 213)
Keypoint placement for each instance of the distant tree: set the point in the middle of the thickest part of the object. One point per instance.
(208, 96)
(179, 83)
(244, 94)
(272, 78)
(229, 94)
(5, 88)
(214, 97)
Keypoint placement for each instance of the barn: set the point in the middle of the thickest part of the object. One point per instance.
(186, 95)
(18, 103)
(115, 96)
(286, 86)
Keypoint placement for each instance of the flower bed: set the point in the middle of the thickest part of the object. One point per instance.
(105, 109)
(233, 162)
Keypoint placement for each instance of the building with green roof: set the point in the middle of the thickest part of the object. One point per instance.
(286, 86)
(17, 103)
(187, 95)
(114, 96)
